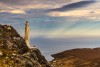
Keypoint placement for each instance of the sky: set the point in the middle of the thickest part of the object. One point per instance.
(53, 18)
(53, 21)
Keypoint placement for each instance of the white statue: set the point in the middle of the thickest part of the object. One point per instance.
(27, 34)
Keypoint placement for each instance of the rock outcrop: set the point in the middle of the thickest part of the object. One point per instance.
(15, 53)
(85, 57)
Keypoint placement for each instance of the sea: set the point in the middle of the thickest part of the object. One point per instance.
(50, 46)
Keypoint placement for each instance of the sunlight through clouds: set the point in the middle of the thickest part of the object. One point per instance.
(78, 18)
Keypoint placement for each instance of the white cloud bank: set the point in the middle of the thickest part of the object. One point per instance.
(14, 11)
(91, 11)
(90, 14)
(21, 6)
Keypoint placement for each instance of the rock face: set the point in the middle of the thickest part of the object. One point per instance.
(15, 53)
(85, 57)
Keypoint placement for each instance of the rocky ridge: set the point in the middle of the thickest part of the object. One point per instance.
(15, 53)
(83, 57)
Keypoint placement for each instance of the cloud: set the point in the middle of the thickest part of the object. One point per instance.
(16, 2)
(89, 14)
(14, 11)
(79, 10)
(33, 3)
(54, 25)
(75, 13)
(25, 2)
(72, 6)
(21, 6)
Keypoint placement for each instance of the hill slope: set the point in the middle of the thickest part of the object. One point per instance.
(15, 53)
(77, 58)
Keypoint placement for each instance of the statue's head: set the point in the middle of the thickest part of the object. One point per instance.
(26, 22)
